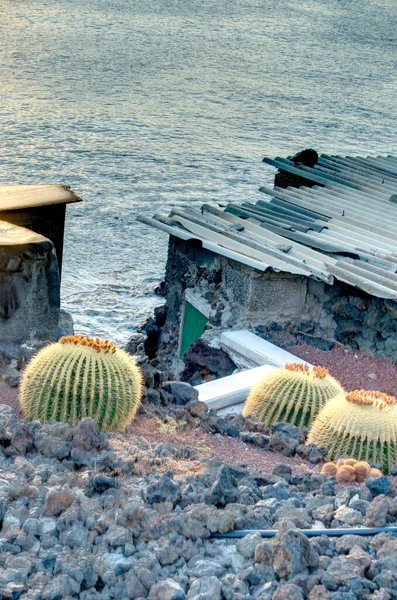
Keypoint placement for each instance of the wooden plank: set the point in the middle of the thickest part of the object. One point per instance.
(231, 390)
(234, 389)
(16, 197)
(49, 221)
(12, 235)
(260, 351)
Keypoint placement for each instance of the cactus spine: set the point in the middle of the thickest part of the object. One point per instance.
(293, 394)
(361, 424)
(80, 377)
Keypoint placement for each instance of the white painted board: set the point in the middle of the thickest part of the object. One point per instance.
(232, 389)
(259, 351)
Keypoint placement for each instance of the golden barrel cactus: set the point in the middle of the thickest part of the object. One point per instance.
(361, 424)
(293, 394)
(78, 377)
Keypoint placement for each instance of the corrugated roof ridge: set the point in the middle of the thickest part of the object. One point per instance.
(242, 237)
(299, 229)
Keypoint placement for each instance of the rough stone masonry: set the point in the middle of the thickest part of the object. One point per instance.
(239, 296)
(30, 314)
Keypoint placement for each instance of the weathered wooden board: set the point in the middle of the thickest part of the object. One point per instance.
(40, 208)
(15, 236)
(16, 197)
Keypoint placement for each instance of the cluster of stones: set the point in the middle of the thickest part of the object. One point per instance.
(88, 515)
(180, 400)
(280, 437)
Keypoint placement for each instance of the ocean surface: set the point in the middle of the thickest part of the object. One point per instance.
(140, 105)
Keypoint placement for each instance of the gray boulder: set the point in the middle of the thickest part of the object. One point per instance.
(205, 588)
(342, 572)
(167, 590)
(247, 545)
(377, 512)
(163, 490)
(283, 443)
(258, 439)
(20, 439)
(223, 491)
(293, 552)
(88, 437)
(284, 471)
(118, 563)
(182, 393)
(378, 485)
(289, 591)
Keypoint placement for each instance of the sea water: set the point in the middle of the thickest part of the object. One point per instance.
(141, 105)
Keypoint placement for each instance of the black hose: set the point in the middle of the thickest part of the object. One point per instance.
(269, 533)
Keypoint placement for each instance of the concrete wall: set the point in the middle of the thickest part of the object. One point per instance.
(29, 292)
(263, 296)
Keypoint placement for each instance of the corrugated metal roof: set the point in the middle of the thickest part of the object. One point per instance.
(345, 226)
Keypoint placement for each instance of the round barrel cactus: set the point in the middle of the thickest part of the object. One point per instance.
(361, 424)
(78, 377)
(293, 394)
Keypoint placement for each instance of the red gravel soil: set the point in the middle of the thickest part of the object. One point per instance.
(231, 450)
(9, 396)
(353, 368)
(235, 452)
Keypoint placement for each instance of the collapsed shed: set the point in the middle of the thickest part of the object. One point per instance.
(320, 259)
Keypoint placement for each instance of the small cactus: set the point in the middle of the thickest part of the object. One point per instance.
(350, 461)
(375, 473)
(80, 377)
(362, 424)
(329, 469)
(347, 470)
(345, 474)
(361, 470)
(293, 394)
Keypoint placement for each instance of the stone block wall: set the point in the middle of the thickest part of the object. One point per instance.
(238, 296)
(242, 297)
(360, 321)
(30, 314)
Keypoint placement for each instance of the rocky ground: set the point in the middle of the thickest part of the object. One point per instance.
(171, 412)
(88, 515)
(95, 516)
